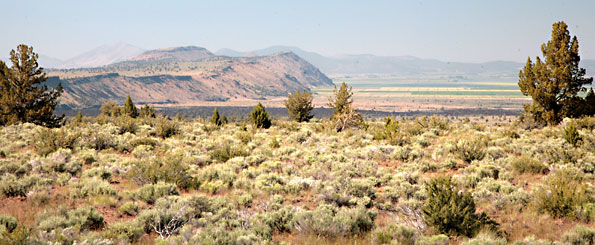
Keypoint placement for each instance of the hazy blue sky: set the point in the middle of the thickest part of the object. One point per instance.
(473, 30)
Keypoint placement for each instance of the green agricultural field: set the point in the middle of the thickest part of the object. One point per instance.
(159, 181)
(430, 93)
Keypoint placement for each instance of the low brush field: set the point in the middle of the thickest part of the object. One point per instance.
(163, 181)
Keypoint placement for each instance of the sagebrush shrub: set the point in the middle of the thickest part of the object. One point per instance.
(82, 218)
(329, 221)
(169, 169)
(166, 128)
(166, 218)
(129, 208)
(470, 150)
(7, 223)
(560, 195)
(151, 192)
(529, 165)
(48, 140)
(129, 232)
(579, 235)
(398, 234)
(226, 152)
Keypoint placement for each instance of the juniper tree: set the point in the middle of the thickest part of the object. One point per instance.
(345, 115)
(299, 106)
(451, 211)
(147, 111)
(129, 108)
(554, 83)
(259, 117)
(217, 119)
(22, 97)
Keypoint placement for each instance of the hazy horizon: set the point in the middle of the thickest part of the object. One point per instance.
(463, 31)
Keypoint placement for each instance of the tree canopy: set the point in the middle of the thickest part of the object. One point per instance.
(299, 106)
(555, 82)
(22, 97)
(345, 115)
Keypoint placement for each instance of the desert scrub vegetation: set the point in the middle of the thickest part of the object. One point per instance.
(426, 180)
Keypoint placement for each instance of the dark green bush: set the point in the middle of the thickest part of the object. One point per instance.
(259, 117)
(571, 134)
(451, 212)
(529, 165)
(217, 119)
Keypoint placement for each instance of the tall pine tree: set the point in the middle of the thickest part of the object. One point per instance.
(554, 83)
(22, 97)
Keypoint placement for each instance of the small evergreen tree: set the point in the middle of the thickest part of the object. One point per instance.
(217, 119)
(555, 82)
(345, 116)
(147, 111)
(22, 98)
(260, 118)
(299, 106)
(129, 108)
(452, 212)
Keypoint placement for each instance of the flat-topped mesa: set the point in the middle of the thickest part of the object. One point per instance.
(188, 75)
(188, 53)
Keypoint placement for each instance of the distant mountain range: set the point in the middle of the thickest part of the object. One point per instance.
(397, 65)
(187, 76)
(100, 56)
(331, 65)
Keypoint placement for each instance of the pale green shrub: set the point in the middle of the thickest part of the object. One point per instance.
(83, 218)
(129, 208)
(397, 234)
(529, 165)
(329, 221)
(485, 239)
(470, 150)
(7, 223)
(560, 195)
(432, 240)
(579, 235)
(129, 232)
(167, 216)
(151, 192)
(91, 187)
